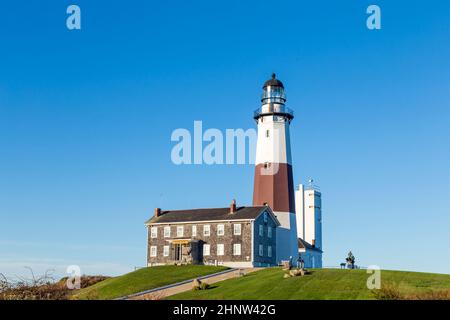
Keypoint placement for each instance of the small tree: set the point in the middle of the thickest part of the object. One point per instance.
(351, 260)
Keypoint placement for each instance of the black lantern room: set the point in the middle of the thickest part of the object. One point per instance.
(273, 100)
(273, 91)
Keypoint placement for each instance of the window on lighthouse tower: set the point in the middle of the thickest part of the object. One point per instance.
(267, 133)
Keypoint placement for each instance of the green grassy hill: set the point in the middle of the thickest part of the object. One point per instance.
(320, 284)
(143, 279)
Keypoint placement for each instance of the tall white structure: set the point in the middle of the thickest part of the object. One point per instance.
(308, 207)
(273, 184)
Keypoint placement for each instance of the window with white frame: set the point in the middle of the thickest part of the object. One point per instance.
(237, 249)
(166, 232)
(220, 250)
(180, 231)
(166, 251)
(237, 229)
(269, 231)
(153, 251)
(207, 230)
(220, 229)
(261, 230)
(269, 251)
(194, 231)
(265, 217)
(261, 250)
(154, 232)
(206, 249)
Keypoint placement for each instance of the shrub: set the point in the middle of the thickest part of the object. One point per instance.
(430, 295)
(41, 288)
(391, 292)
(388, 292)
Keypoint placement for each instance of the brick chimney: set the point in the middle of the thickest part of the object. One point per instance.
(313, 242)
(157, 212)
(233, 206)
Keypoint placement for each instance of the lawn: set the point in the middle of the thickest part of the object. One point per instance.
(320, 284)
(143, 279)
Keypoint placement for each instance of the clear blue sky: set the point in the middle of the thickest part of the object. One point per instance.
(86, 118)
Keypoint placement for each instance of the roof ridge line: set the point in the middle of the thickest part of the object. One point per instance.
(210, 208)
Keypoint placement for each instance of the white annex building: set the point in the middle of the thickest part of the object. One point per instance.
(308, 208)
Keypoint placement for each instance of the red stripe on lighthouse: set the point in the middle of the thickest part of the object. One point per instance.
(274, 186)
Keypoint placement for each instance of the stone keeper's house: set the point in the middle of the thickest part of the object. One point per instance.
(234, 237)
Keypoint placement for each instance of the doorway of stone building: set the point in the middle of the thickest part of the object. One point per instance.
(178, 252)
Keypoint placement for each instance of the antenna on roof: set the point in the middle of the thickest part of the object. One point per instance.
(312, 186)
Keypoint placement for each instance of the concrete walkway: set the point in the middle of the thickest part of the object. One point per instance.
(169, 290)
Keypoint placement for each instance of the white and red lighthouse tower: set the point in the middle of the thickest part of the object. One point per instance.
(273, 184)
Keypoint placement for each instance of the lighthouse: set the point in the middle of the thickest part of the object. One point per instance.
(273, 181)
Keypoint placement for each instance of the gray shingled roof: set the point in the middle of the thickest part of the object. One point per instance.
(305, 245)
(192, 215)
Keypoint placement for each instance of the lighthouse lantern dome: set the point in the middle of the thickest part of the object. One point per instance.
(273, 101)
(273, 91)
